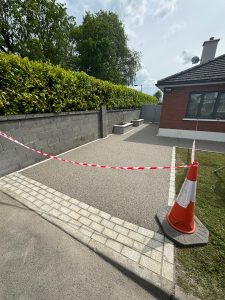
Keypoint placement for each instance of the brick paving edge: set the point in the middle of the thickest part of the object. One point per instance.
(159, 286)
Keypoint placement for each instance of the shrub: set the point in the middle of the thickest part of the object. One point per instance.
(36, 87)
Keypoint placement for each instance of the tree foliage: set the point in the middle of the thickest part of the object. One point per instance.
(158, 95)
(103, 51)
(42, 30)
(38, 29)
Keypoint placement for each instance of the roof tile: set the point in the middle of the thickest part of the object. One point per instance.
(211, 71)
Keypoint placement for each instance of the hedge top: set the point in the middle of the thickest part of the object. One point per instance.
(36, 87)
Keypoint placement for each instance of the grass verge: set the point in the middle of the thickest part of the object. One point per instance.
(201, 270)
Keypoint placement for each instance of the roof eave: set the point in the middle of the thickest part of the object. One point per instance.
(162, 85)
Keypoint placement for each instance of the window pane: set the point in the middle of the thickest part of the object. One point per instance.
(208, 105)
(193, 105)
(221, 107)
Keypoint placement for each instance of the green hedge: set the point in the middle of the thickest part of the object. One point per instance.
(36, 87)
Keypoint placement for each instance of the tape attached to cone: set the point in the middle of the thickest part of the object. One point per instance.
(181, 215)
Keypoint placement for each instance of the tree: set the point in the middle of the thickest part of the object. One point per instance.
(158, 95)
(38, 29)
(103, 51)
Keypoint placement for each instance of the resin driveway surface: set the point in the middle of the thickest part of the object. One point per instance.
(133, 196)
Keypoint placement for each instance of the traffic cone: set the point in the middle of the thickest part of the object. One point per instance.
(179, 223)
(181, 215)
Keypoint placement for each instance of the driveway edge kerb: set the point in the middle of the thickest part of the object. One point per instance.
(159, 286)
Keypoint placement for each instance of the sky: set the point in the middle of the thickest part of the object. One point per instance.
(168, 33)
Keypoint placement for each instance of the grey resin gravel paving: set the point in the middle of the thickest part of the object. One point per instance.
(134, 196)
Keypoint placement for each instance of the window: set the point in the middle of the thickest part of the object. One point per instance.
(220, 113)
(206, 105)
(194, 102)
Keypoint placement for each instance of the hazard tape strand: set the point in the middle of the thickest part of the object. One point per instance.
(129, 168)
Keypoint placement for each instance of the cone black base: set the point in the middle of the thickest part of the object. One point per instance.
(198, 238)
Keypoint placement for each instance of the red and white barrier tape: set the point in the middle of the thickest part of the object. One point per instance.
(131, 168)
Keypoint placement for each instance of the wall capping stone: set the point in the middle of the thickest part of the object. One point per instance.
(46, 115)
(123, 109)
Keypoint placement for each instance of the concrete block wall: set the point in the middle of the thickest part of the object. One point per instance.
(53, 133)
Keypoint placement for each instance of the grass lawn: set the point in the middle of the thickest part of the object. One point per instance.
(201, 270)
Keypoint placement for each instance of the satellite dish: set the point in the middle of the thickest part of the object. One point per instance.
(195, 60)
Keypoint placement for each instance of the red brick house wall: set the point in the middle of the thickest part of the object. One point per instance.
(175, 105)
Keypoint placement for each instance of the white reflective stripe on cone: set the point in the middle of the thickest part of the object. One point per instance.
(187, 193)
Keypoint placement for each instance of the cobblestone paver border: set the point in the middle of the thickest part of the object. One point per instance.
(146, 254)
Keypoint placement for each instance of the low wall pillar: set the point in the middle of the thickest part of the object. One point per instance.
(103, 122)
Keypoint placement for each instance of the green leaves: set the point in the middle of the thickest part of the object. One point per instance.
(42, 30)
(36, 87)
(38, 29)
(102, 49)
(158, 95)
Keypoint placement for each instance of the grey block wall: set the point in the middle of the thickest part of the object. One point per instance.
(53, 133)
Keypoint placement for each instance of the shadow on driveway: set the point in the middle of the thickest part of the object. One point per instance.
(148, 134)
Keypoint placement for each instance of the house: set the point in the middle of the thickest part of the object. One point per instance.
(195, 98)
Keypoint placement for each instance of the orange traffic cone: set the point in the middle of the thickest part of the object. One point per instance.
(179, 223)
(181, 215)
